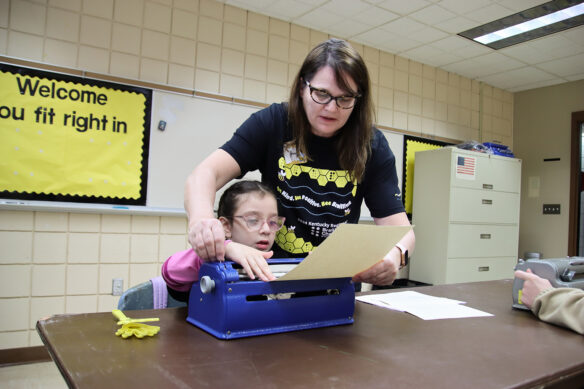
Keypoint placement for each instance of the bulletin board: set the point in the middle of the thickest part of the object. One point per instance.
(67, 138)
(411, 145)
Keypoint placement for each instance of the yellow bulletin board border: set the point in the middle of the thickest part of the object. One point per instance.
(413, 144)
(72, 139)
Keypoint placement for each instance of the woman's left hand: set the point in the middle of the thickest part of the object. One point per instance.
(383, 272)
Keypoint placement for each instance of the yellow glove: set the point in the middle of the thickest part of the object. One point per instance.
(123, 319)
(134, 326)
(139, 330)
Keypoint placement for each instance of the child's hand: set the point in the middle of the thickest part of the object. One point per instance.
(533, 285)
(253, 261)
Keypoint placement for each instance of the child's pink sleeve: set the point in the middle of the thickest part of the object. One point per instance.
(181, 270)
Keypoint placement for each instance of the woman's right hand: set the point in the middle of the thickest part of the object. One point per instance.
(207, 238)
(206, 234)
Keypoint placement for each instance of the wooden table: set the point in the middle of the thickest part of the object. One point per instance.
(382, 349)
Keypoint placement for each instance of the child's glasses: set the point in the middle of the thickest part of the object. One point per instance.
(254, 223)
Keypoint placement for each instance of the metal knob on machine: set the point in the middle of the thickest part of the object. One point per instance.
(207, 284)
(567, 275)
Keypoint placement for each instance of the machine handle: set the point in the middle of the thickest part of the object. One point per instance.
(487, 202)
(487, 186)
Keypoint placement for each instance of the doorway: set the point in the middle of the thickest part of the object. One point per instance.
(576, 219)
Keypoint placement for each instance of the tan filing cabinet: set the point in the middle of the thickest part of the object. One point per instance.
(466, 216)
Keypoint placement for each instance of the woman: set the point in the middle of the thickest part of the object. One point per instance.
(320, 154)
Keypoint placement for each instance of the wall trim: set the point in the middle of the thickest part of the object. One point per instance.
(24, 355)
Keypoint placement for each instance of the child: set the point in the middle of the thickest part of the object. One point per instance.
(249, 214)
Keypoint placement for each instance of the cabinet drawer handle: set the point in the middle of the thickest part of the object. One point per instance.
(483, 268)
(485, 236)
(487, 186)
(487, 202)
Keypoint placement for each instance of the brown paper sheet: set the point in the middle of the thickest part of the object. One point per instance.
(349, 250)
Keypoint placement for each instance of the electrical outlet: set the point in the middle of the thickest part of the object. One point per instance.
(551, 209)
(117, 286)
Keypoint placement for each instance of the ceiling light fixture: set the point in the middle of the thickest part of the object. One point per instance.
(545, 19)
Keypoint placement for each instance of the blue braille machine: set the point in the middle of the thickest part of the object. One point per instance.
(228, 305)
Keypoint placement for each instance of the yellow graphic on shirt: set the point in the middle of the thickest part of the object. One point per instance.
(286, 237)
(287, 240)
(323, 176)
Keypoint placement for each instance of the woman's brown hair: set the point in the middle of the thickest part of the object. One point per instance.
(354, 139)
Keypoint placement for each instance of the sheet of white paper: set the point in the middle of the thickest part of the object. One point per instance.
(445, 311)
(402, 300)
(424, 306)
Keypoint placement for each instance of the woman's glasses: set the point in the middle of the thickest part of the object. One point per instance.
(254, 223)
(320, 96)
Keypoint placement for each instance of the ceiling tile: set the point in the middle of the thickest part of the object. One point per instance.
(422, 54)
(462, 47)
(524, 53)
(464, 6)
(313, 3)
(576, 35)
(517, 77)
(250, 4)
(348, 28)
(375, 16)
(489, 13)
(432, 15)
(288, 10)
(575, 77)
(539, 84)
(374, 37)
(443, 59)
(450, 43)
(564, 67)
(521, 5)
(468, 68)
(498, 61)
(456, 25)
(427, 35)
(473, 50)
(555, 46)
(319, 19)
(399, 44)
(345, 8)
(403, 26)
(403, 7)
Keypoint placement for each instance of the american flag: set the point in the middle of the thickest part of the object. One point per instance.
(465, 165)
